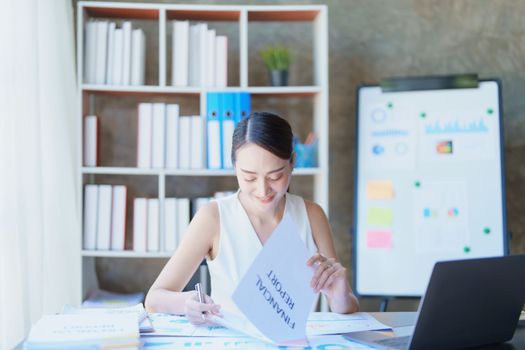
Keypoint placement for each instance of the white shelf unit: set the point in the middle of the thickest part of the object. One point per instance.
(241, 15)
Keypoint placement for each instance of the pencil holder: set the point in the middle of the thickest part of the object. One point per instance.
(306, 155)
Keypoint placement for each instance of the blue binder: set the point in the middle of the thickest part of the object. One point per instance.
(242, 106)
(227, 108)
(213, 131)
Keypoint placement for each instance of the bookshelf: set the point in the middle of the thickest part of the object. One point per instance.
(112, 103)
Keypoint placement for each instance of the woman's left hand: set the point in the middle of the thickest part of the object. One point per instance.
(329, 276)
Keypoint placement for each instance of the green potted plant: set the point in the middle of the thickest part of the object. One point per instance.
(277, 59)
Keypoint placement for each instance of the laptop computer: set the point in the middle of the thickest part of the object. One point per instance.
(467, 303)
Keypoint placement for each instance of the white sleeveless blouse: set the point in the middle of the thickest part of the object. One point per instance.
(239, 244)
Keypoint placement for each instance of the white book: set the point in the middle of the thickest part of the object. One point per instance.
(118, 218)
(126, 53)
(105, 193)
(213, 143)
(145, 120)
(90, 140)
(138, 57)
(197, 143)
(110, 52)
(193, 56)
(183, 217)
(157, 134)
(140, 222)
(180, 53)
(202, 53)
(210, 58)
(90, 52)
(221, 61)
(184, 142)
(170, 225)
(118, 45)
(172, 136)
(102, 49)
(90, 216)
(153, 225)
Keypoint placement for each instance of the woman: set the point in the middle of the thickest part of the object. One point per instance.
(231, 231)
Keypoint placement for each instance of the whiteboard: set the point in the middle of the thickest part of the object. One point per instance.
(429, 184)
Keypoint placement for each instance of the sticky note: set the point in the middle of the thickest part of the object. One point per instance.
(379, 217)
(379, 239)
(379, 189)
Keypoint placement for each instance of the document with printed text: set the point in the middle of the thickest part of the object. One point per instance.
(274, 295)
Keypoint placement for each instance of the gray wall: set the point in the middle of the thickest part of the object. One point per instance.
(369, 40)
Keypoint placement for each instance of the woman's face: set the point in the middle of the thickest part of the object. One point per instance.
(263, 177)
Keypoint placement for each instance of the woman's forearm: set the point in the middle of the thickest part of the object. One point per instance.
(346, 304)
(163, 300)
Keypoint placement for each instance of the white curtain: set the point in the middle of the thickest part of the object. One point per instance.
(39, 156)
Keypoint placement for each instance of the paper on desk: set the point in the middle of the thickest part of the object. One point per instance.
(172, 325)
(103, 299)
(332, 342)
(319, 323)
(332, 323)
(275, 294)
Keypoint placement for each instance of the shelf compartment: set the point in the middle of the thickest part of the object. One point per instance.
(298, 38)
(124, 254)
(118, 123)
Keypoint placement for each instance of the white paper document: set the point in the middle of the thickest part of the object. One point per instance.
(326, 342)
(321, 323)
(274, 295)
(178, 326)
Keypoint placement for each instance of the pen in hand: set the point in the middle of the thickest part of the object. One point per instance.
(198, 288)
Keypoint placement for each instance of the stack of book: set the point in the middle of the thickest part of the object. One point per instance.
(177, 215)
(146, 230)
(84, 331)
(136, 311)
(114, 56)
(168, 140)
(104, 217)
(199, 57)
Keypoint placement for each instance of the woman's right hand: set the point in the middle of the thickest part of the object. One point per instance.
(197, 312)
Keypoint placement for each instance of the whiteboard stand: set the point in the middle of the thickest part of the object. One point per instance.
(384, 304)
(430, 182)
